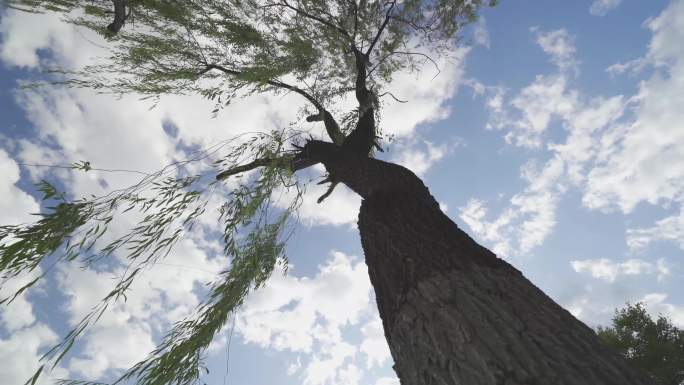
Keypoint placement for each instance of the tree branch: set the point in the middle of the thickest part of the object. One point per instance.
(331, 126)
(382, 28)
(288, 161)
(362, 139)
(393, 97)
(243, 168)
(406, 53)
(362, 93)
(318, 19)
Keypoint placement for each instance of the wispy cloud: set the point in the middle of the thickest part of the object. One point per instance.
(308, 315)
(530, 216)
(667, 229)
(560, 46)
(420, 156)
(601, 7)
(642, 160)
(480, 33)
(610, 270)
(25, 338)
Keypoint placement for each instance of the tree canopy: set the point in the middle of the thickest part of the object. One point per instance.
(655, 346)
(324, 51)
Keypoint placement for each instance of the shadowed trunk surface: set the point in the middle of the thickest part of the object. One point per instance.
(454, 313)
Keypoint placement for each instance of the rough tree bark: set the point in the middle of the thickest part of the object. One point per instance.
(454, 313)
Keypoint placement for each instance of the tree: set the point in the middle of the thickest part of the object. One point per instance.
(453, 312)
(657, 346)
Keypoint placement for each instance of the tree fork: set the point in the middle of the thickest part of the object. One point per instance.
(454, 313)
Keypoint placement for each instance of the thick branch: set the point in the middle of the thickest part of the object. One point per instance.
(362, 139)
(362, 92)
(331, 126)
(243, 168)
(294, 163)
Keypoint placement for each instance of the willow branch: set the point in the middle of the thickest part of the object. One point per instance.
(318, 19)
(291, 162)
(331, 126)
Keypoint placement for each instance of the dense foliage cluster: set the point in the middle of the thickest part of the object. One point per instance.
(655, 346)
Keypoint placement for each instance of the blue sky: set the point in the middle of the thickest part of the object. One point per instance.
(555, 137)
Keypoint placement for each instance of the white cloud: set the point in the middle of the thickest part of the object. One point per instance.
(21, 351)
(18, 314)
(15, 205)
(667, 229)
(294, 367)
(387, 381)
(112, 347)
(538, 103)
(643, 161)
(656, 305)
(609, 270)
(282, 313)
(480, 33)
(560, 46)
(529, 218)
(308, 315)
(418, 160)
(341, 208)
(350, 375)
(474, 213)
(601, 7)
(615, 161)
(24, 34)
(326, 367)
(631, 66)
(581, 145)
(528, 114)
(374, 344)
(27, 339)
(426, 95)
(157, 298)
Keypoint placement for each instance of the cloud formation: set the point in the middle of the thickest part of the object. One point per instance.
(619, 151)
(610, 270)
(309, 316)
(601, 7)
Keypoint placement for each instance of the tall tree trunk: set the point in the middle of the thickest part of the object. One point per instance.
(453, 312)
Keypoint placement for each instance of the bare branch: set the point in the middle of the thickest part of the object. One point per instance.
(393, 97)
(406, 53)
(382, 28)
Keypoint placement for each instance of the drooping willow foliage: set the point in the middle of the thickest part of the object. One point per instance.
(253, 232)
(321, 50)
